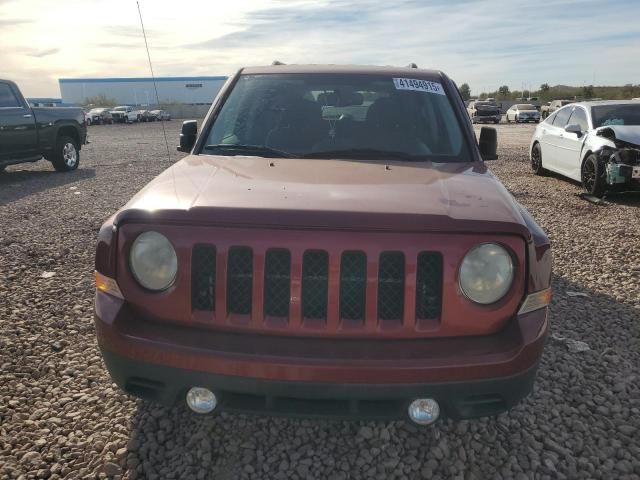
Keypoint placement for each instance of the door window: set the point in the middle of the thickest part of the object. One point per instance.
(561, 117)
(579, 117)
(7, 97)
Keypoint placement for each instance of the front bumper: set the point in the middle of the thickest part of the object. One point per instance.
(528, 119)
(488, 118)
(469, 376)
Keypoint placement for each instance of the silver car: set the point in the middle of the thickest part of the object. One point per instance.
(161, 115)
(523, 112)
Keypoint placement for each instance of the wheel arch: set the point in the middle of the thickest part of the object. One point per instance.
(70, 131)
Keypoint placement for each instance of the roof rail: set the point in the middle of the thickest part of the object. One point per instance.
(412, 65)
(277, 62)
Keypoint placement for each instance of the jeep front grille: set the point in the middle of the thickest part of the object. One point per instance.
(203, 277)
(307, 289)
(277, 282)
(240, 280)
(353, 285)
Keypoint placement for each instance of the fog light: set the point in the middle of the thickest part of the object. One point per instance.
(424, 411)
(201, 400)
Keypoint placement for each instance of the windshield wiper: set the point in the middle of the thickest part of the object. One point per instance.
(365, 153)
(251, 150)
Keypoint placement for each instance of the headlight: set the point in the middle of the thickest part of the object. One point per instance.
(153, 261)
(486, 273)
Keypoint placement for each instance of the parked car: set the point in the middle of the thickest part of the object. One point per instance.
(29, 133)
(596, 143)
(99, 116)
(481, 111)
(161, 115)
(303, 262)
(124, 114)
(522, 112)
(144, 116)
(552, 106)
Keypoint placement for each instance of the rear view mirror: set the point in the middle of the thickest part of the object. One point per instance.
(488, 143)
(573, 128)
(188, 135)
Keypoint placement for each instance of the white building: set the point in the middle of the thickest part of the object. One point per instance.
(140, 91)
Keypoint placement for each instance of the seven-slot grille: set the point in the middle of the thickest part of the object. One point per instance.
(274, 290)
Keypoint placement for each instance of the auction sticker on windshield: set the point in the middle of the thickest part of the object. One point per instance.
(418, 85)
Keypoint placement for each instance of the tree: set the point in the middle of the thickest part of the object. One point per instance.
(544, 88)
(465, 91)
(503, 91)
(587, 91)
(100, 100)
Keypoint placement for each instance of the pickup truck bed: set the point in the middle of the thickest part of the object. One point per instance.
(29, 134)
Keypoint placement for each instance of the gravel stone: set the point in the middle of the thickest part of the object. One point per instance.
(62, 417)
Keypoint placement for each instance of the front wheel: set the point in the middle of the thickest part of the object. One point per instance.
(593, 176)
(67, 155)
(536, 160)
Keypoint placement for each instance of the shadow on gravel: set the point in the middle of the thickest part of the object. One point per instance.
(579, 417)
(629, 199)
(16, 184)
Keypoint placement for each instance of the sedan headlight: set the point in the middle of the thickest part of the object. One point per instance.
(153, 261)
(486, 273)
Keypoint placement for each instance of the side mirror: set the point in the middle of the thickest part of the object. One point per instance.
(488, 143)
(188, 135)
(573, 128)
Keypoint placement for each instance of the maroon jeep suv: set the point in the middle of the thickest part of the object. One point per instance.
(333, 245)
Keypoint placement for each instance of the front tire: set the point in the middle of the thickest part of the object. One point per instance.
(536, 161)
(67, 154)
(593, 176)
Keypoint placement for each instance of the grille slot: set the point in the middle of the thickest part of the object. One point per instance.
(315, 279)
(277, 282)
(391, 286)
(429, 285)
(239, 280)
(353, 284)
(203, 278)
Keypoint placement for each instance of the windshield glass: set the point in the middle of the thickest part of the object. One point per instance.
(604, 115)
(525, 106)
(307, 114)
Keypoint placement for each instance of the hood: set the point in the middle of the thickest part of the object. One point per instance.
(320, 193)
(626, 133)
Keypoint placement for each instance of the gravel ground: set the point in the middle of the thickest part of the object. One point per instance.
(61, 417)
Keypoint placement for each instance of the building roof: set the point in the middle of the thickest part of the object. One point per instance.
(139, 79)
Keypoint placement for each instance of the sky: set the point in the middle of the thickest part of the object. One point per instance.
(485, 43)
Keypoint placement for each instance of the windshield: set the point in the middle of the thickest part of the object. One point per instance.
(604, 115)
(307, 114)
(525, 106)
(120, 109)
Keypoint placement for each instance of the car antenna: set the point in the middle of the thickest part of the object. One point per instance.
(153, 78)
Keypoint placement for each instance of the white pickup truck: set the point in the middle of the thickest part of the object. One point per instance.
(124, 114)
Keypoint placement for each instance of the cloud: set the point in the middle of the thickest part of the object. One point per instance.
(13, 22)
(44, 53)
(485, 44)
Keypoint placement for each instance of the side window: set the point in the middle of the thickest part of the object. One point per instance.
(561, 117)
(7, 97)
(579, 117)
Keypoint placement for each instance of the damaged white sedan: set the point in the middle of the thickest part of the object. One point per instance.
(596, 143)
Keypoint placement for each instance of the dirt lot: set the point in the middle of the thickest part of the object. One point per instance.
(61, 417)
